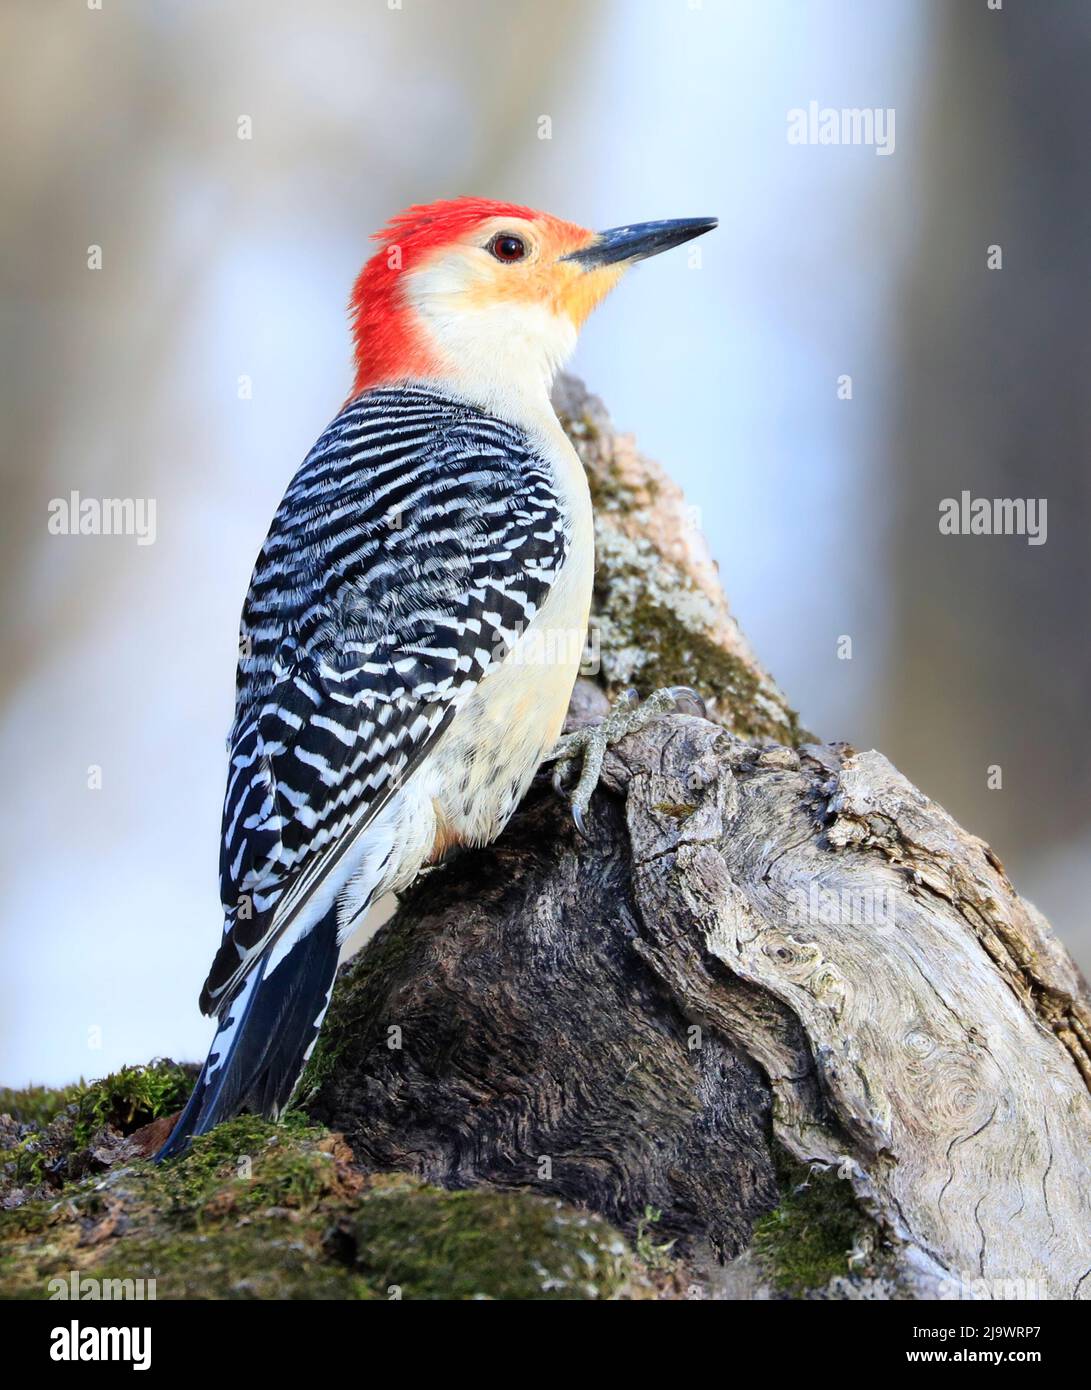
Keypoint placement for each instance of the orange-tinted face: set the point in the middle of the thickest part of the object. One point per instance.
(489, 296)
(521, 261)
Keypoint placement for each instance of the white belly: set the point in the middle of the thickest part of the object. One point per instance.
(485, 762)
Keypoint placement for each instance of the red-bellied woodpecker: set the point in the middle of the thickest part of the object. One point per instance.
(416, 617)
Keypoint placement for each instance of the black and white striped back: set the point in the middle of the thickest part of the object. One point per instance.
(412, 547)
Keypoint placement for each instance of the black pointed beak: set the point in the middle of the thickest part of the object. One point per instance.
(641, 240)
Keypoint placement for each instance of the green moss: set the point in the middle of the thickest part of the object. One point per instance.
(126, 1099)
(243, 1166)
(654, 636)
(257, 1210)
(677, 654)
(411, 1241)
(23, 1164)
(56, 1136)
(131, 1098)
(264, 1260)
(241, 1214)
(655, 1256)
(807, 1239)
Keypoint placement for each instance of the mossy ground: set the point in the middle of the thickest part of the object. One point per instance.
(257, 1210)
(47, 1135)
(412, 1241)
(241, 1215)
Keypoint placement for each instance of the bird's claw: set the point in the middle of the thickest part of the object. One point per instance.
(627, 716)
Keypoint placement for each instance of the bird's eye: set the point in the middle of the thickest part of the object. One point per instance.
(505, 246)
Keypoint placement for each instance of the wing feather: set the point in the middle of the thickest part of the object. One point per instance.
(411, 549)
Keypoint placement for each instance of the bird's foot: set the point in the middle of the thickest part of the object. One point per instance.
(627, 716)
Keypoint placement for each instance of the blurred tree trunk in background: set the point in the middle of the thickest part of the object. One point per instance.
(996, 399)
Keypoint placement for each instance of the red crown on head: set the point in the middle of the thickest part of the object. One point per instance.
(388, 346)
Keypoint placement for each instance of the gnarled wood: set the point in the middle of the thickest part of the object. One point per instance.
(753, 940)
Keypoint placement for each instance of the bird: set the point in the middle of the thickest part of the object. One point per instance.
(416, 617)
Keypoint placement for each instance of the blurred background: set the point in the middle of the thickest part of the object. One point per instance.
(199, 363)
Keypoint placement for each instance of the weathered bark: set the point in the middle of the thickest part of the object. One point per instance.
(761, 950)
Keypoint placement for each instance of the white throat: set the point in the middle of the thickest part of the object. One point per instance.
(503, 355)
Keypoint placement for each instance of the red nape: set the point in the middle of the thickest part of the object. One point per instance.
(388, 346)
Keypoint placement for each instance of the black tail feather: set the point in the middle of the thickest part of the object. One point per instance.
(261, 1045)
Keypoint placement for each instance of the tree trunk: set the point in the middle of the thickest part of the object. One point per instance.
(777, 1005)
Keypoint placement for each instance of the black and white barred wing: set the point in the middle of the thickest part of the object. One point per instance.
(410, 552)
